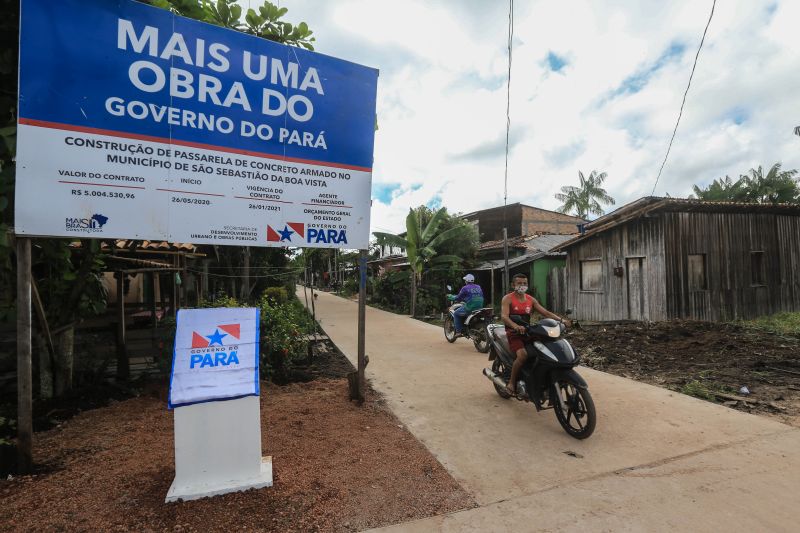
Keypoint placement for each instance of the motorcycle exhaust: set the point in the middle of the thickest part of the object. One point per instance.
(494, 378)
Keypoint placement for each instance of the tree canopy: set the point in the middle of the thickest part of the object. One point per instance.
(774, 186)
(264, 22)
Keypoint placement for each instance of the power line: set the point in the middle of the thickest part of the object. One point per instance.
(508, 131)
(508, 94)
(680, 113)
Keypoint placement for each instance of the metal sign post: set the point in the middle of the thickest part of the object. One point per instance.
(362, 319)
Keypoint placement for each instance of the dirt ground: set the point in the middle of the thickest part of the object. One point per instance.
(710, 361)
(337, 467)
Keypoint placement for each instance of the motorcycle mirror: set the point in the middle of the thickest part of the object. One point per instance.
(449, 288)
(568, 312)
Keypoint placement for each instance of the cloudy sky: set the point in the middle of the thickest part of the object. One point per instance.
(595, 85)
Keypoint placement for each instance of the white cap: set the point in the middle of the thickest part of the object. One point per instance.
(469, 278)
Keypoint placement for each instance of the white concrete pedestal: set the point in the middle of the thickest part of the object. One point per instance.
(218, 449)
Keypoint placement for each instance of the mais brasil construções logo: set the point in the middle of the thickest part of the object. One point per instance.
(211, 350)
(92, 225)
(308, 235)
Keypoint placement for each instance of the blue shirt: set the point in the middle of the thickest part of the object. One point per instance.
(472, 296)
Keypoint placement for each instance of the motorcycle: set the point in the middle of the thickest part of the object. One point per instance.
(475, 324)
(548, 378)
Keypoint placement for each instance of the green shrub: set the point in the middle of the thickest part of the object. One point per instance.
(392, 291)
(283, 341)
(221, 301)
(350, 287)
(698, 390)
(277, 295)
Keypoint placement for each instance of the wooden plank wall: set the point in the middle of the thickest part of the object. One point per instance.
(642, 238)
(727, 240)
(557, 290)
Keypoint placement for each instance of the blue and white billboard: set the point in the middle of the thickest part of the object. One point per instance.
(138, 123)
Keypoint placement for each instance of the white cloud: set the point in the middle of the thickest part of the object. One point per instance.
(441, 104)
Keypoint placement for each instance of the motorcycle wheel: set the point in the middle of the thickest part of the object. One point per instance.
(449, 329)
(500, 369)
(480, 339)
(578, 418)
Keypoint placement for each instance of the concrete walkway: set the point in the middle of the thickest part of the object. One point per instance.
(658, 461)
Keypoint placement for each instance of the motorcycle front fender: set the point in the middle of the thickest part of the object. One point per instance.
(568, 374)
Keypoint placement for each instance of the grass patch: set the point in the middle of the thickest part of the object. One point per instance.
(698, 390)
(781, 323)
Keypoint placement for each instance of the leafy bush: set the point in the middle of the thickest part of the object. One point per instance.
(283, 337)
(349, 288)
(221, 301)
(391, 291)
(277, 295)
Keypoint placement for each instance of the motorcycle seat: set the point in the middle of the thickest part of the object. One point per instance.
(499, 333)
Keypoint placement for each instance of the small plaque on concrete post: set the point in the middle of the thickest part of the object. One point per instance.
(214, 390)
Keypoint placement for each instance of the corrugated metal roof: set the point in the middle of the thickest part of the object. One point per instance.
(499, 264)
(545, 243)
(651, 204)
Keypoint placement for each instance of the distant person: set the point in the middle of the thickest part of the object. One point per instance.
(472, 296)
(519, 302)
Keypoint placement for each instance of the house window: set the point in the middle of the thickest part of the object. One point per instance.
(698, 278)
(758, 275)
(591, 275)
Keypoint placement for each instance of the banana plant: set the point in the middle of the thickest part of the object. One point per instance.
(421, 246)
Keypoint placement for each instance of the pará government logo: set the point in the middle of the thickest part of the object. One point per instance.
(297, 233)
(215, 349)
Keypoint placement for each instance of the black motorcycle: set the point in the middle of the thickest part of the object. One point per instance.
(548, 378)
(474, 326)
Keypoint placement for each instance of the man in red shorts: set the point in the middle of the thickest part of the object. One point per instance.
(520, 303)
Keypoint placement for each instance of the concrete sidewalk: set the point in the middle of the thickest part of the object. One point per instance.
(658, 460)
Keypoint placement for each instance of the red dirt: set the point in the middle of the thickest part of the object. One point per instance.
(337, 467)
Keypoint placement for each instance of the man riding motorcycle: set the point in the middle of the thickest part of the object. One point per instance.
(472, 296)
(522, 304)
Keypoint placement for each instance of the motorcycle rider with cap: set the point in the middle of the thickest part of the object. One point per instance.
(472, 296)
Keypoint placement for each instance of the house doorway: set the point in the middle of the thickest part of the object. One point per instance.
(636, 288)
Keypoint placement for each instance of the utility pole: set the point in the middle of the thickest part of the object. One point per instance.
(505, 260)
(24, 375)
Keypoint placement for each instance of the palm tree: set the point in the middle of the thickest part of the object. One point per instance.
(421, 245)
(720, 190)
(587, 197)
(776, 186)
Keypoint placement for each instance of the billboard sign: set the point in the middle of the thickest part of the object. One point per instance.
(137, 123)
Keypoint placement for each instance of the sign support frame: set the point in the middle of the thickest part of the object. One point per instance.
(24, 355)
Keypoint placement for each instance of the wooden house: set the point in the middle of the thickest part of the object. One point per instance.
(662, 258)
